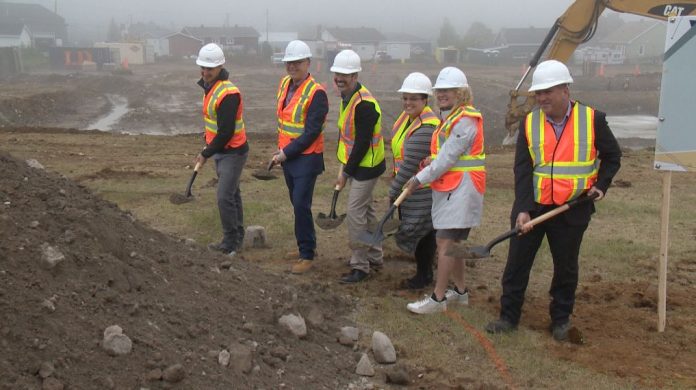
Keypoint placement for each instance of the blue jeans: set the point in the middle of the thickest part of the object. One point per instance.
(300, 181)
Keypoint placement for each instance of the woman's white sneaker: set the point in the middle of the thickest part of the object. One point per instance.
(455, 297)
(427, 305)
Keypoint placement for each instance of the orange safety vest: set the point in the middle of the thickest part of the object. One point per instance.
(567, 167)
(291, 118)
(473, 163)
(401, 132)
(211, 102)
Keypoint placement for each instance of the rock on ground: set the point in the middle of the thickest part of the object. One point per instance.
(295, 324)
(364, 366)
(382, 348)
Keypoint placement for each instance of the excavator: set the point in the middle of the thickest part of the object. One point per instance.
(578, 25)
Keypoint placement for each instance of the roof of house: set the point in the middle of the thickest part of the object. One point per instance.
(631, 31)
(13, 29)
(183, 35)
(521, 36)
(229, 32)
(147, 30)
(403, 37)
(356, 34)
(35, 16)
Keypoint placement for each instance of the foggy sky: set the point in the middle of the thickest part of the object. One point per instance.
(422, 18)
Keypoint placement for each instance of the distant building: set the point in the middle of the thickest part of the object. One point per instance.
(183, 45)
(278, 40)
(363, 40)
(152, 36)
(639, 42)
(239, 39)
(519, 43)
(47, 28)
(15, 35)
(404, 46)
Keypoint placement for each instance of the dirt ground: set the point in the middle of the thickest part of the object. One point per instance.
(180, 304)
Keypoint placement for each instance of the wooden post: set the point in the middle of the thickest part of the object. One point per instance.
(664, 249)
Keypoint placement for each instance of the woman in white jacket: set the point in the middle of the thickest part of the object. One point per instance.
(457, 177)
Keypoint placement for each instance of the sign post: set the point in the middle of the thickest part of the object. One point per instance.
(675, 147)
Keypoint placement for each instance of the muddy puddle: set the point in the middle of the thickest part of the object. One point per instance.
(119, 108)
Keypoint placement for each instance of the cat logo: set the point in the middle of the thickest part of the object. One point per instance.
(670, 10)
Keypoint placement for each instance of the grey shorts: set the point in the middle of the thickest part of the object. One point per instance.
(453, 234)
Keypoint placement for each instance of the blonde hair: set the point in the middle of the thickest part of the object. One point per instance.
(464, 96)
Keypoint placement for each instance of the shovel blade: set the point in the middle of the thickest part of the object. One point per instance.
(327, 223)
(478, 252)
(369, 239)
(263, 174)
(179, 198)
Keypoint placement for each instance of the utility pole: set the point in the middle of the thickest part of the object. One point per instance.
(267, 26)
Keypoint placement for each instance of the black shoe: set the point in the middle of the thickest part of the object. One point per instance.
(500, 326)
(417, 282)
(354, 276)
(560, 331)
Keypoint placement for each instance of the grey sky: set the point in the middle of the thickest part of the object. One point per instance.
(420, 17)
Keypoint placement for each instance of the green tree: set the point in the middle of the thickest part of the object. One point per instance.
(448, 35)
(478, 35)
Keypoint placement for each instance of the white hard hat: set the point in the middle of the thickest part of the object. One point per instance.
(296, 50)
(417, 82)
(549, 74)
(346, 62)
(450, 77)
(210, 56)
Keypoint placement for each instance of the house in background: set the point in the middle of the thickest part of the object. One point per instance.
(46, 27)
(239, 39)
(404, 46)
(363, 40)
(152, 36)
(519, 44)
(15, 35)
(278, 40)
(183, 45)
(639, 42)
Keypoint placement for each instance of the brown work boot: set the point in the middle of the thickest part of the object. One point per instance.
(301, 266)
(294, 255)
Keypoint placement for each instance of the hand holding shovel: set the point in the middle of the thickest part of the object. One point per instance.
(372, 239)
(479, 252)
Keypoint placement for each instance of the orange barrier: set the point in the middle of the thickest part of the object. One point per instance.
(601, 70)
(636, 70)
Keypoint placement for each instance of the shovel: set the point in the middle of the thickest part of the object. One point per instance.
(331, 221)
(373, 239)
(265, 174)
(188, 196)
(480, 252)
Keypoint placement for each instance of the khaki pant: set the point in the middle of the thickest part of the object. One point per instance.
(361, 217)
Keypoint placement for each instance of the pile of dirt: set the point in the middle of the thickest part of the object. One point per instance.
(72, 264)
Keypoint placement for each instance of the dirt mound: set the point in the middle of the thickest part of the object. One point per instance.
(177, 303)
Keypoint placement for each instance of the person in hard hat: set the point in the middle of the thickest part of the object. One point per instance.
(226, 143)
(457, 176)
(410, 143)
(565, 150)
(361, 154)
(301, 109)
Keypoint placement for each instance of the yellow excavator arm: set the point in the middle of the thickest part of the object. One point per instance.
(577, 25)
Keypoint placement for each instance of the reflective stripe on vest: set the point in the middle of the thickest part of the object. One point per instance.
(474, 162)
(211, 102)
(401, 132)
(565, 168)
(292, 117)
(346, 127)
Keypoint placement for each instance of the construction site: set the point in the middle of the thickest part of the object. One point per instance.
(107, 284)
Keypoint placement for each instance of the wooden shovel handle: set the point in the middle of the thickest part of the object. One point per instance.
(197, 167)
(404, 194)
(560, 209)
